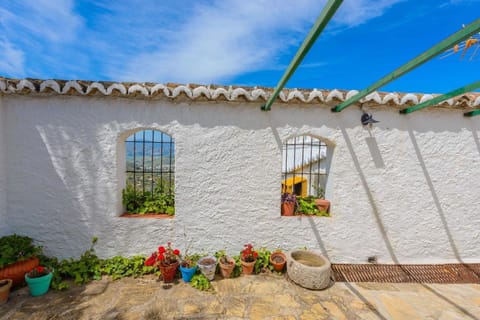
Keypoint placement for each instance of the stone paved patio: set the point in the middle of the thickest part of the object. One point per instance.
(249, 297)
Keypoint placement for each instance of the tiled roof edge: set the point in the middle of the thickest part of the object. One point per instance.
(219, 93)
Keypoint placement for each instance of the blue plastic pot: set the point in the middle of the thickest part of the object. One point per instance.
(187, 273)
(39, 286)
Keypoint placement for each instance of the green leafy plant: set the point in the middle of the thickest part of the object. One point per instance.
(307, 205)
(162, 200)
(263, 261)
(237, 271)
(83, 270)
(200, 282)
(15, 248)
(119, 267)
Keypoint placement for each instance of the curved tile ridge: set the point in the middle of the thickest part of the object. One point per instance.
(213, 92)
(72, 85)
(117, 87)
(136, 88)
(50, 84)
(159, 88)
(96, 87)
(25, 85)
(476, 102)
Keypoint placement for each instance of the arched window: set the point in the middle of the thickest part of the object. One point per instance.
(305, 164)
(150, 173)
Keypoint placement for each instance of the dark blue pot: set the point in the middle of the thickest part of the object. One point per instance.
(187, 273)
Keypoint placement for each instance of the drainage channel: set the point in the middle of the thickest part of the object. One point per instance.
(405, 273)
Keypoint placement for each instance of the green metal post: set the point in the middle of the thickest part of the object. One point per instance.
(322, 20)
(472, 113)
(443, 97)
(449, 42)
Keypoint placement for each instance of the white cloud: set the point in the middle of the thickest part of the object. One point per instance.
(227, 38)
(355, 12)
(12, 61)
(203, 41)
(224, 40)
(48, 20)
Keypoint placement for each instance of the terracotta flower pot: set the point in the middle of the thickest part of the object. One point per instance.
(247, 267)
(227, 268)
(322, 205)
(16, 271)
(288, 208)
(278, 260)
(5, 286)
(169, 271)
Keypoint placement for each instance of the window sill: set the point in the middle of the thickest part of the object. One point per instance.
(306, 215)
(146, 216)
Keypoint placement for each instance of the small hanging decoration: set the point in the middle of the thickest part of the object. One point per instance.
(367, 119)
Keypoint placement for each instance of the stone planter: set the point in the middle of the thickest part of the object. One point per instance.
(16, 271)
(309, 269)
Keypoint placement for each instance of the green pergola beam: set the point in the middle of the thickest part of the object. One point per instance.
(472, 113)
(322, 20)
(441, 98)
(449, 42)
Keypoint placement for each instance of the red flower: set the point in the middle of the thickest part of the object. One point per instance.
(176, 252)
(150, 261)
(161, 257)
(40, 269)
(249, 254)
(161, 249)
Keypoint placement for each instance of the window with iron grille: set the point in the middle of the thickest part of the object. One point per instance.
(150, 173)
(304, 175)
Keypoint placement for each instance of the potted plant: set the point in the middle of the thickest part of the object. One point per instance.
(248, 257)
(227, 264)
(165, 259)
(322, 204)
(38, 280)
(278, 260)
(207, 266)
(188, 267)
(18, 255)
(5, 286)
(289, 203)
(306, 205)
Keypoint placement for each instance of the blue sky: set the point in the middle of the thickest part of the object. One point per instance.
(234, 42)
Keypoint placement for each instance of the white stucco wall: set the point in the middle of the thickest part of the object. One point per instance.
(406, 191)
(3, 176)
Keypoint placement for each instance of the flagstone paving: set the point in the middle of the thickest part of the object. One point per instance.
(266, 296)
